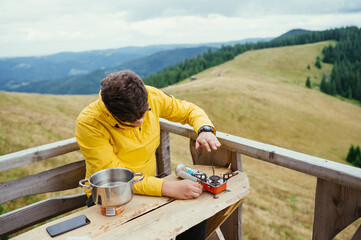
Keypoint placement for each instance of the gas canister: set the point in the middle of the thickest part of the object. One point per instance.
(213, 184)
(185, 172)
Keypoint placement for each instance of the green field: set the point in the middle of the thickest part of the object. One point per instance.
(260, 95)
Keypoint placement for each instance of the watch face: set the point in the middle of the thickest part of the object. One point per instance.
(205, 128)
(208, 129)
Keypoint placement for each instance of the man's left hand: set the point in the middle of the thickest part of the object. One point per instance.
(207, 140)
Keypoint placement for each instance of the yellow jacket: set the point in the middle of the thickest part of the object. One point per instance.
(107, 144)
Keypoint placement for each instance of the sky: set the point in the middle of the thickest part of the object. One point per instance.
(43, 27)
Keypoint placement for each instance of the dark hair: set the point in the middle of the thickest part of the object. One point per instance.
(125, 96)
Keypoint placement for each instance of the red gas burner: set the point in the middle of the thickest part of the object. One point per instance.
(216, 184)
(213, 184)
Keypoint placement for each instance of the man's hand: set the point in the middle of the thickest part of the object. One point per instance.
(184, 189)
(207, 140)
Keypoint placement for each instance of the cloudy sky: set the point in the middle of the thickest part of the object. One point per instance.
(41, 27)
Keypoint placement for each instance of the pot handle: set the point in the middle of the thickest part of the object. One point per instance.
(138, 179)
(82, 185)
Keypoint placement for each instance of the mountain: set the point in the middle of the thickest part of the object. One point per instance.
(259, 95)
(18, 71)
(90, 83)
(292, 33)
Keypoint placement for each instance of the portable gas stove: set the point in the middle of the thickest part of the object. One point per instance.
(214, 184)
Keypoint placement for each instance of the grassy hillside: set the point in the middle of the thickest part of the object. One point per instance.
(260, 95)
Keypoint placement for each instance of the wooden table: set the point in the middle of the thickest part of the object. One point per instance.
(168, 219)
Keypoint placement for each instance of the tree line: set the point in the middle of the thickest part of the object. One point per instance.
(354, 156)
(345, 79)
(346, 74)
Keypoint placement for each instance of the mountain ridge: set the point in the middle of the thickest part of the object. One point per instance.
(19, 70)
(260, 95)
(89, 83)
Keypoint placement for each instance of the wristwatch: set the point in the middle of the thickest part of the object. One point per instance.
(205, 128)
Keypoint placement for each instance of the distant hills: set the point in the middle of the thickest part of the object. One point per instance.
(292, 33)
(259, 95)
(90, 83)
(19, 74)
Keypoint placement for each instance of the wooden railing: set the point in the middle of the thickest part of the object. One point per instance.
(337, 200)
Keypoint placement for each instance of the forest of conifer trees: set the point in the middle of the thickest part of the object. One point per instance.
(345, 79)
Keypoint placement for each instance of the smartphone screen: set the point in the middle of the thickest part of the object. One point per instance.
(67, 225)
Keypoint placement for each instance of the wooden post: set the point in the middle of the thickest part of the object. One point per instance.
(163, 155)
(232, 227)
(336, 207)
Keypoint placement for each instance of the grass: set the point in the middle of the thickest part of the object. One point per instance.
(260, 95)
(267, 101)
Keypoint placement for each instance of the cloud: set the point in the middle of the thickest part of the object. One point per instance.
(47, 26)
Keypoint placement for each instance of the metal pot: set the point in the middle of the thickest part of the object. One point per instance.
(112, 187)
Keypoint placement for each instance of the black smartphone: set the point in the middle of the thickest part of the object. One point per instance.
(67, 225)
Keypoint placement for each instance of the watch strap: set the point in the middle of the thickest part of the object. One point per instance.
(205, 128)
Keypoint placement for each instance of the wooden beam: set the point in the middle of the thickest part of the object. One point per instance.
(232, 227)
(215, 221)
(57, 179)
(217, 235)
(17, 159)
(322, 168)
(220, 158)
(151, 225)
(336, 207)
(18, 219)
(357, 235)
(163, 154)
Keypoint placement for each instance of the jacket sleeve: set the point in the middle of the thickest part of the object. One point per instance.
(181, 111)
(99, 154)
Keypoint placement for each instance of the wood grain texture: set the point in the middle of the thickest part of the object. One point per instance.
(322, 168)
(336, 207)
(168, 218)
(38, 212)
(222, 157)
(163, 154)
(215, 221)
(174, 218)
(217, 235)
(232, 227)
(17, 159)
(100, 224)
(57, 179)
(357, 235)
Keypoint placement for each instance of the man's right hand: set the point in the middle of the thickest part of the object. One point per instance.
(184, 189)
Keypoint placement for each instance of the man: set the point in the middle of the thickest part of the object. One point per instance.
(121, 129)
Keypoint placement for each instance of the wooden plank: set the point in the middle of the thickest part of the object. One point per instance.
(57, 179)
(167, 219)
(221, 157)
(322, 168)
(232, 227)
(17, 159)
(100, 224)
(217, 235)
(357, 235)
(176, 217)
(214, 222)
(38, 212)
(163, 154)
(336, 207)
